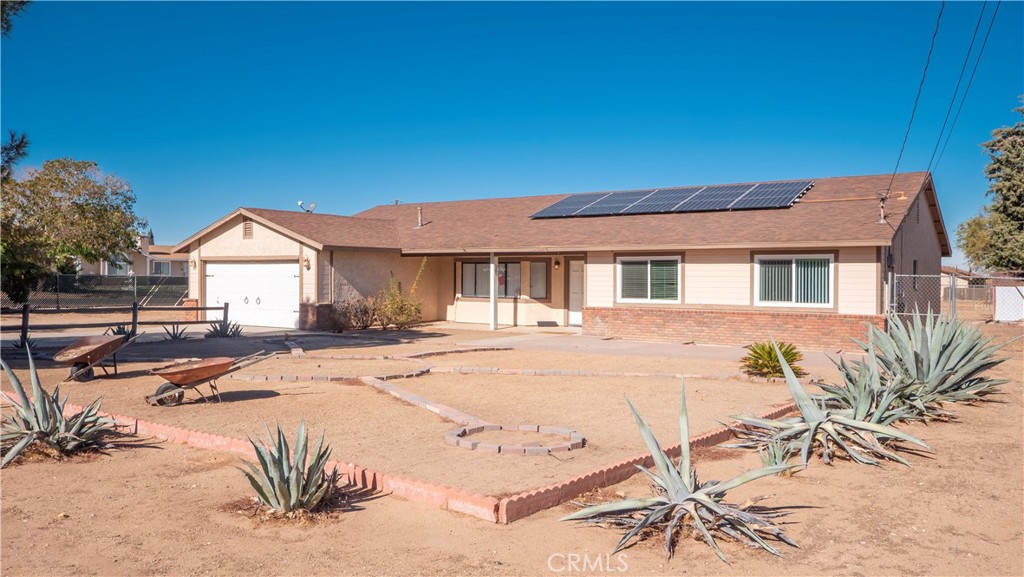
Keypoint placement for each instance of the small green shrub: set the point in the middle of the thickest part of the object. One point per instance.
(284, 481)
(41, 420)
(682, 500)
(223, 330)
(176, 333)
(762, 361)
(393, 307)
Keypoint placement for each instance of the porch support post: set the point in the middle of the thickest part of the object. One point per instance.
(494, 292)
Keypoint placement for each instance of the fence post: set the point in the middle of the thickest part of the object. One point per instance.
(58, 289)
(224, 319)
(952, 297)
(135, 318)
(24, 324)
(135, 289)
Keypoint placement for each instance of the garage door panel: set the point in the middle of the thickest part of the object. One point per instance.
(258, 293)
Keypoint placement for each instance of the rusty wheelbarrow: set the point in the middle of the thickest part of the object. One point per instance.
(86, 353)
(191, 374)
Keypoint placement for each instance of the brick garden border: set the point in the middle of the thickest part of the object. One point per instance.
(504, 510)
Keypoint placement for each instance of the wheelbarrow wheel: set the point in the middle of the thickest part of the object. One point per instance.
(169, 400)
(85, 375)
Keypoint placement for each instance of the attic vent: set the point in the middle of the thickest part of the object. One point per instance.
(246, 227)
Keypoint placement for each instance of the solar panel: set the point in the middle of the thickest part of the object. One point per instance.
(614, 203)
(570, 204)
(773, 195)
(662, 200)
(714, 198)
(680, 199)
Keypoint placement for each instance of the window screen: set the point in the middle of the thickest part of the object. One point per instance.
(795, 280)
(538, 280)
(476, 280)
(653, 280)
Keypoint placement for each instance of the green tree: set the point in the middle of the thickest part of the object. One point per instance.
(67, 209)
(8, 10)
(994, 239)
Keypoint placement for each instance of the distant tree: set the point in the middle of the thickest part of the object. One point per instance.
(15, 149)
(994, 239)
(67, 209)
(8, 10)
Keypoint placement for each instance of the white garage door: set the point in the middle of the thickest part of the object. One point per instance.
(263, 294)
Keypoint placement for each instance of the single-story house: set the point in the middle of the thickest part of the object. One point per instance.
(806, 261)
(147, 259)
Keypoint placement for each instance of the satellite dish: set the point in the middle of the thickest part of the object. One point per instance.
(311, 207)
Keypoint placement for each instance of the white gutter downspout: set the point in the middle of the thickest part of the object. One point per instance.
(494, 292)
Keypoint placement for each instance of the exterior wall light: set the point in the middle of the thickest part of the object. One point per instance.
(558, 264)
(306, 263)
(194, 264)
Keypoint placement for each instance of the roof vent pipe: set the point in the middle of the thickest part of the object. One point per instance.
(419, 217)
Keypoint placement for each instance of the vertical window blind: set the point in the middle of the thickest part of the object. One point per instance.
(795, 280)
(649, 279)
(538, 280)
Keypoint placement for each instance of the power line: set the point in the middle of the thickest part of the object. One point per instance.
(956, 91)
(970, 80)
(917, 99)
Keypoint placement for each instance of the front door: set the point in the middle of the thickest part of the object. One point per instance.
(576, 293)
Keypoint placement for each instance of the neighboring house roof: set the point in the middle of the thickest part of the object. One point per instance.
(836, 212)
(959, 272)
(317, 230)
(165, 252)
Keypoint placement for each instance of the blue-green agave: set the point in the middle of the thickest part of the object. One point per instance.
(284, 481)
(683, 500)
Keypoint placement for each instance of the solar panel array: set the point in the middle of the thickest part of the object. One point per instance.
(683, 199)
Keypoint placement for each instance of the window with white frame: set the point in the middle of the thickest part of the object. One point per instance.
(161, 268)
(119, 265)
(476, 279)
(649, 279)
(793, 280)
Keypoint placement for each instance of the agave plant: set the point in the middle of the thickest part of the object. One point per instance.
(761, 361)
(776, 452)
(284, 481)
(867, 394)
(944, 359)
(223, 329)
(41, 419)
(682, 500)
(122, 329)
(828, 428)
(176, 333)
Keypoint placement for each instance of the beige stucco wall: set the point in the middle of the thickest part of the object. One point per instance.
(600, 280)
(523, 311)
(858, 287)
(365, 273)
(717, 277)
(916, 239)
(724, 278)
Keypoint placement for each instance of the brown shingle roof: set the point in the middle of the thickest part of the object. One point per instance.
(836, 212)
(334, 230)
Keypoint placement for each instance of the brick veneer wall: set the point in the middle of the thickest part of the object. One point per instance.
(818, 331)
(191, 315)
(315, 317)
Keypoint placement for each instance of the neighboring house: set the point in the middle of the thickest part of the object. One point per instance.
(147, 259)
(959, 277)
(812, 273)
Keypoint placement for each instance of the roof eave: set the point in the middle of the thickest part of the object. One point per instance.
(639, 248)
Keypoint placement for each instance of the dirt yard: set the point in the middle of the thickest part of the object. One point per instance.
(166, 509)
(373, 429)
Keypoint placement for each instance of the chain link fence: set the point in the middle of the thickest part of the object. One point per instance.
(61, 291)
(973, 298)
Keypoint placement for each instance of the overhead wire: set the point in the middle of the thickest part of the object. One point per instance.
(917, 100)
(970, 81)
(959, 80)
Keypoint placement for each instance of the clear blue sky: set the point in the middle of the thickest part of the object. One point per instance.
(205, 107)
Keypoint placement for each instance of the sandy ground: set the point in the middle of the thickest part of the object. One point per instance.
(164, 510)
(312, 366)
(374, 429)
(959, 513)
(609, 363)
